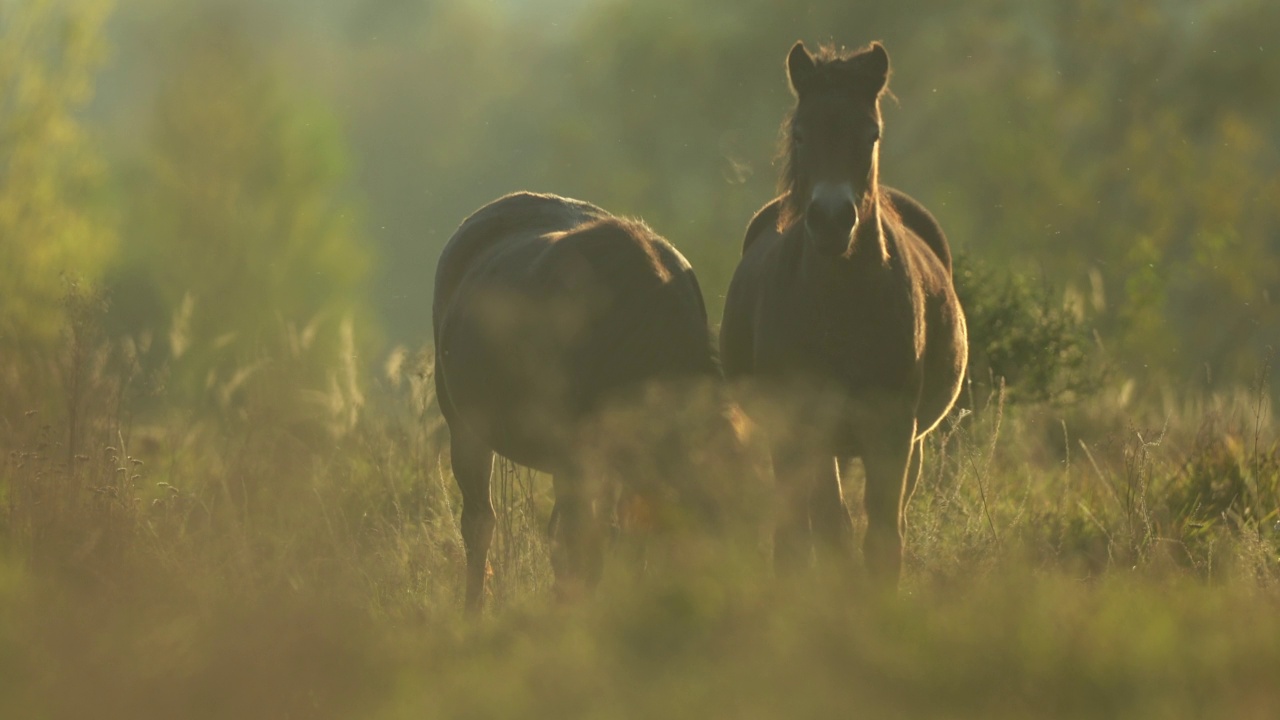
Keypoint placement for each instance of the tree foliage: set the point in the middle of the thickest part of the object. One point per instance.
(245, 254)
(1121, 153)
(53, 228)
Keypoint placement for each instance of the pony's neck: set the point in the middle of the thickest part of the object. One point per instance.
(869, 244)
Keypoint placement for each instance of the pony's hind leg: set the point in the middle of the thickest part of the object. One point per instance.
(914, 472)
(472, 463)
(828, 516)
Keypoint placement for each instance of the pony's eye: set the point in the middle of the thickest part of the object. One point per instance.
(797, 137)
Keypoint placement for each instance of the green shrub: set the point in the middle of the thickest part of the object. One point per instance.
(1020, 331)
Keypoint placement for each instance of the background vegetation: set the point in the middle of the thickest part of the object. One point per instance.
(222, 491)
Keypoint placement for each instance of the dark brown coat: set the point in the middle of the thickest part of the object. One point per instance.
(841, 317)
(554, 323)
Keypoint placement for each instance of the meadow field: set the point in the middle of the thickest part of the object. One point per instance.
(1087, 562)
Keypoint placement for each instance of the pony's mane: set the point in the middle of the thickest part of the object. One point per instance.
(788, 211)
(831, 65)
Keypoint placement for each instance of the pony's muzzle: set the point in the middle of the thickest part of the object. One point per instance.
(831, 216)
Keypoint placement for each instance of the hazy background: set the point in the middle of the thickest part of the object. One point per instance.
(234, 173)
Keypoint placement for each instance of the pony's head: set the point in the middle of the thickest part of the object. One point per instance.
(832, 141)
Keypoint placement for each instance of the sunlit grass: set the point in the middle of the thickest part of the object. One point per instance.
(1084, 562)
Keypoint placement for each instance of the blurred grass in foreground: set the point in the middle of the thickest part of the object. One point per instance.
(1095, 561)
(1019, 644)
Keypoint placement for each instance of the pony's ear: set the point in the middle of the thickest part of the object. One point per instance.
(877, 66)
(800, 67)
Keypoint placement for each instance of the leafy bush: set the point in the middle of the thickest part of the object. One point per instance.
(1020, 332)
(51, 175)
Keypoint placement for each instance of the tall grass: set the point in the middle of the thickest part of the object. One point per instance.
(1101, 560)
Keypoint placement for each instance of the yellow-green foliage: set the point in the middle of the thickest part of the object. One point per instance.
(1123, 152)
(245, 258)
(51, 229)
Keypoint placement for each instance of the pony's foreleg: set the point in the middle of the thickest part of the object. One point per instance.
(793, 482)
(887, 459)
(832, 526)
(577, 555)
(472, 463)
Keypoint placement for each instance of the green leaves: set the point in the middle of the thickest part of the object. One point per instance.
(243, 223)
(1023, 332)
(50, 171)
